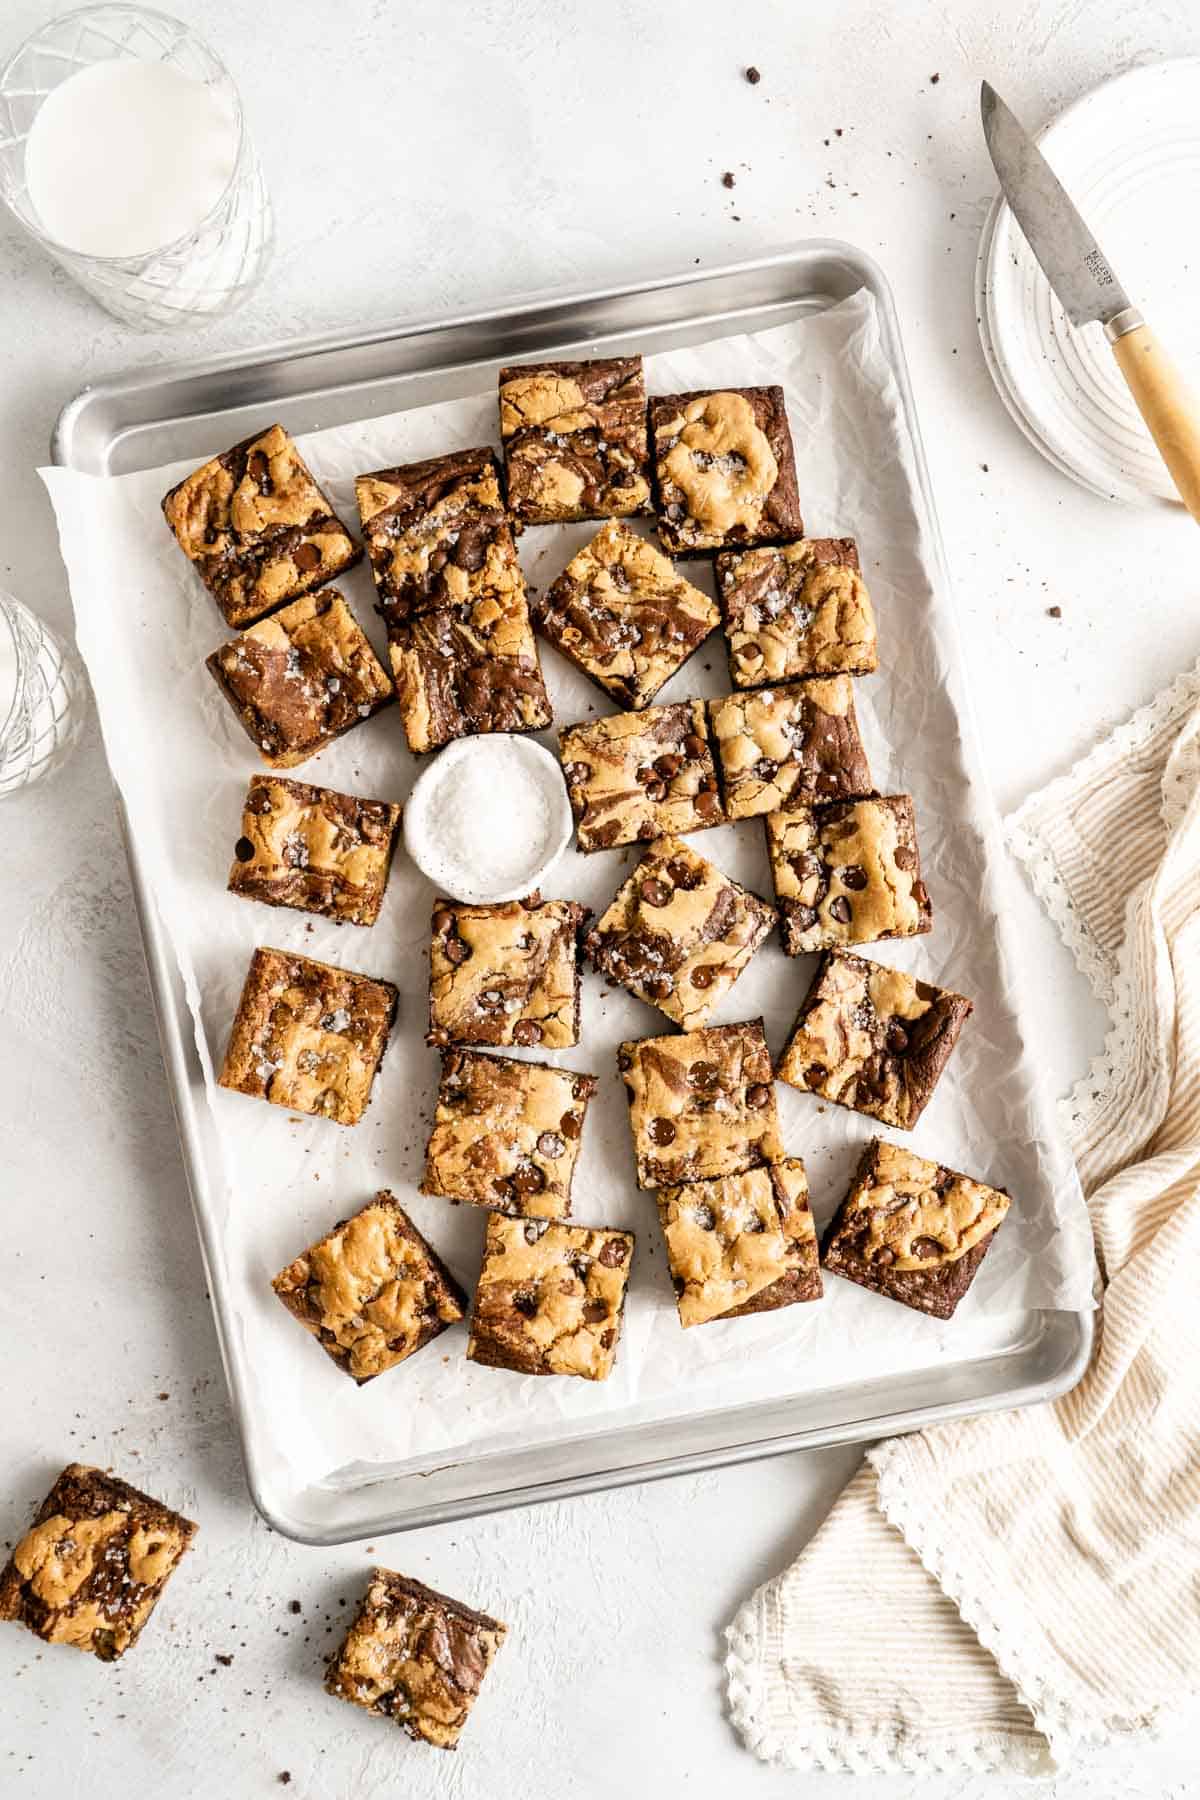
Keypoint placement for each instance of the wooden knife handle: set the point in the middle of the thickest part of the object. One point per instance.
(1170, 409)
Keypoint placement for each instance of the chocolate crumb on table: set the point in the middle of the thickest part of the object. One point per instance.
(373, 1291)
(872, 1038)
(506, 973)
(416, 1657)
(437, 534)
(678, 933)
(741, 1244)
(913, 1230)
(506, 1134)
(550, 1298)
(782, 744)
(796, 609)
(753, 76)
(301, 678)
(701, 1104)
(93, 1565)
(308, 1036)
(847, 872)
(636, 776)
(574, 436)
(314, 849)
(725, 469)
(257, 528)
(620, 612)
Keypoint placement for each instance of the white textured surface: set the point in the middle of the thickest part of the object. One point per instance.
(416, 168)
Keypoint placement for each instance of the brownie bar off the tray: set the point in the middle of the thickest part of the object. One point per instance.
(549, 1298)
(506, 1134)
(92, 1566)
(781, 744)
(308, 1036)
(641, 775)
(574, 437)
(256, 527)
(701, 1104)
(372, 1292)
(301, 678)
(796, 609)
(847, 873)
(741, 1244)
(679, 932)
(506, 973)
(725, 469)
(416, 1657)
(438, 535)
(872, 1038)
(620, 612)
(314, 849)
(913, 1230)
(467, 669)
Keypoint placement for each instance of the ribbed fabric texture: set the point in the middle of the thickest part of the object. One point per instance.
(1012, 1591)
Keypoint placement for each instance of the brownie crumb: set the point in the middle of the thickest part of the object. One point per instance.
(226, 1662)
(934, 79)
(293, 1606)
(753, 76)
(727, 179)
(285, 1775)
(163, 1396)
(984, 467)
(1054, 612)
(837, 131)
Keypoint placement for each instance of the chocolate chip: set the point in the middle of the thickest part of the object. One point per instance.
(765, 769)
(551, 1144)
(839, 909)
(259, 471)
(624, 1060)
(884, 1257)
(853, 877)
(306, 558)
(528, 1179)
(570, 1125)
(577, 772)
(693, 746)
(758, 1096)
(659, 986)
(442, 921)
(526, 1304)
(594, 1311)
(904, 858)
(815, 1074)
(656, 791)
(920, 894)
(583, 1087)
(527, 1032)
(660, 1131)
(702, 976)
(683, 875)
(613, 1252)
(705, 1217)
(668, 766)
(925, 1247)
(897, 1038)
(244, 850)
(455, 950)
(608, 1338)
(654, 893)
(704, 1076)
(706, 803)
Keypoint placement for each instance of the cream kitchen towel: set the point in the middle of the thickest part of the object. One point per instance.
(1010, 1591)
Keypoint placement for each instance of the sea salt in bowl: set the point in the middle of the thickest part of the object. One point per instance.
(489, 818)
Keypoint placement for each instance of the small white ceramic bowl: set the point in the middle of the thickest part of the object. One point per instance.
(438, 827)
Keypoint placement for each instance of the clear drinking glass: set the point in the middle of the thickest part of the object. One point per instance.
(42, 698)
(207, 272)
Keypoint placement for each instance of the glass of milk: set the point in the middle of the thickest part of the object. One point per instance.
(124, 153)
(41, 698)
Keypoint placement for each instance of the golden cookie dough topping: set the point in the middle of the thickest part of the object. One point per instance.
(505, 974)
(641, 775)
(701, 1104)
(506, 1134)
(798, 742)
(438, 535)
(550, 1298)
(574, 438)
(796, 609)
(906, 1213)
(314, 849)
(847, 873)
(733, 1243)
(716, 454)
(466, 669)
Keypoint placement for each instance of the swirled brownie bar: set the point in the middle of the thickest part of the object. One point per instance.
(372, 1292)
(506, 1134)
(467, 669)
(416, 1657)
(789, 743)
(796, 609)
(301, 678)
(505, 974)
(873, 1039)
(92, 1567)
(848, 873)
(913, 1230)
(308, 1036)
(641, 775)
(549, 1299)
(574, 436)
(256, 527)
(437, 534)
(725, 469)
(621, 613)
(314, 849)
(679, 933)
(741, 1244)
(700, 1104)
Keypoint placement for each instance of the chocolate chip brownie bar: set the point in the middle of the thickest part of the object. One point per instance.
(462, 670)
(373, 1291)
(314, 849)
(93, 1565)
(437, 535)
(506, 973)
(621, 613)
(301, 678)
(700, 1104)
(679, 932)
(308, 1036)
(550, 1298)
(256, 527)
(872, 1039)
(789, 743)
(913, 1230)
(416, 1657)
(847, 873)
(641, 775)
(506, 1134)
(574, 436)
(725, 469)
(796, 609)
(741, 1244)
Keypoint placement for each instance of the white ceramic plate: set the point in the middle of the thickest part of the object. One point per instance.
(1129, 155)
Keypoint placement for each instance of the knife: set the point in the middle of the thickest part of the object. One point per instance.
(1083, 279)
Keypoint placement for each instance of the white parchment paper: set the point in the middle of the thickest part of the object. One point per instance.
(181, 762)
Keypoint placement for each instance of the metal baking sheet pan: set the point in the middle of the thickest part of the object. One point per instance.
(154, 416)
